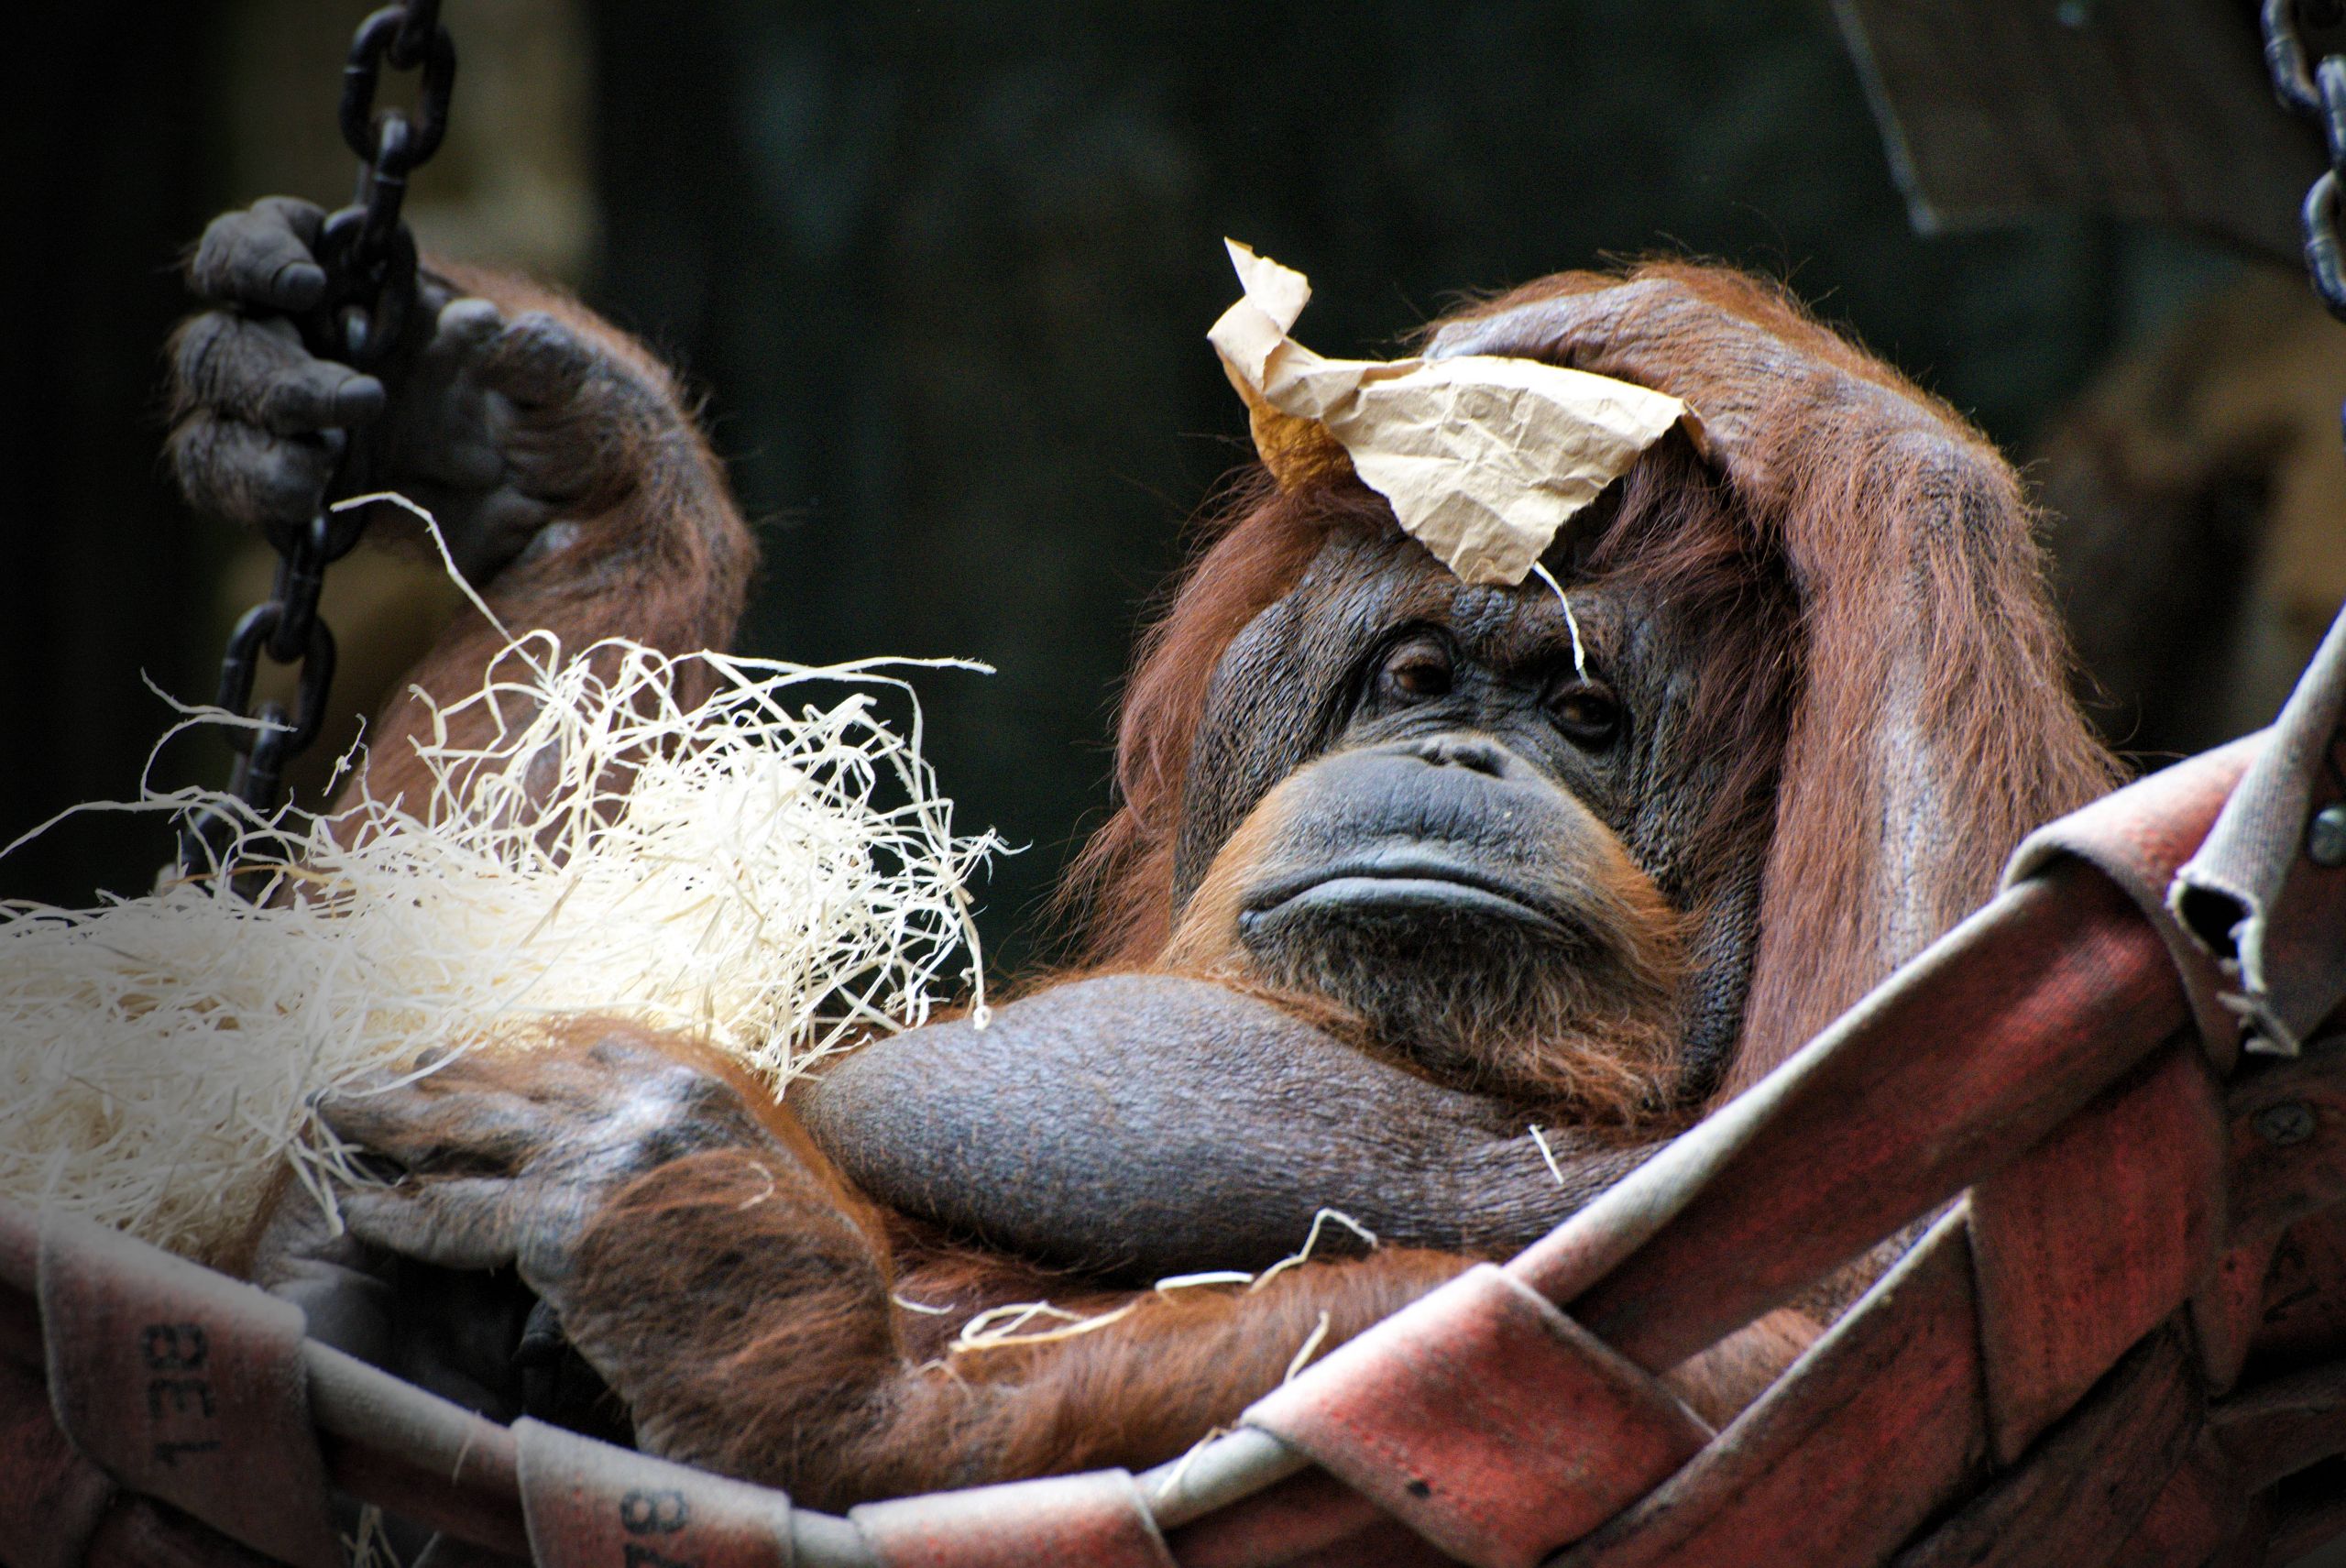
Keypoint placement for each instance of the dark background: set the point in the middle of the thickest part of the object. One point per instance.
(944, 272)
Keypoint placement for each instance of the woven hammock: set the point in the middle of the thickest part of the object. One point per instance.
(2117, 1096)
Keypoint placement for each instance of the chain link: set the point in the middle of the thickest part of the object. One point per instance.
(2315, 89)
(369, 255)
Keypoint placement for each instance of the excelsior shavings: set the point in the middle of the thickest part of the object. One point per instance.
(997, 1328)
(777, 880)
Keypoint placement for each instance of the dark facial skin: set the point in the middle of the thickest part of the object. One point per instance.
(1315, 674)
(1379, 645)
(1471, 914)
(1449, 788)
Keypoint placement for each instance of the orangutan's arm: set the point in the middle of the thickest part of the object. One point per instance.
(570, 483)
(1142, 1126)
(792, 1367)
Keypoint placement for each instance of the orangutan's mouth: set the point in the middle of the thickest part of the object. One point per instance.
(1404, 883)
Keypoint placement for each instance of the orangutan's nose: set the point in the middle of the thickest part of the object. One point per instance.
(1472, 753)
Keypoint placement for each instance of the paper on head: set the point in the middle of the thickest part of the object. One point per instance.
(1485, 457)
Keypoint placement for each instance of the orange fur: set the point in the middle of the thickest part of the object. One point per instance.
(1868, 567)
(660, 553)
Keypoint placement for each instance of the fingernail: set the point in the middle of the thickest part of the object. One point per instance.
(358, 400)
(299, 285)
(470, 317)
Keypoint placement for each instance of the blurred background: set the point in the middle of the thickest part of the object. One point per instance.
(943, 272)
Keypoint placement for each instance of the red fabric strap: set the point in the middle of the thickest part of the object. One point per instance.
(1492, 1423)
(1094, 1521)
(186, 1385)
(2255, 892)
(2087, 1243)
(590, 1505)
(2137, 837)
(51, 1498)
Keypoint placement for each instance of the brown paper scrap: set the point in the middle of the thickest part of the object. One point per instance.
(1485, 457)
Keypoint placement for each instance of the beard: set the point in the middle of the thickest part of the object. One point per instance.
(1496, 1008)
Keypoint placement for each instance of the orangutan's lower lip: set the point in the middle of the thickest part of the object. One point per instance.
(1412, 885)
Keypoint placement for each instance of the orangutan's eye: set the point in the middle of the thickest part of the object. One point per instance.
(1416, 670)
(1586, 713)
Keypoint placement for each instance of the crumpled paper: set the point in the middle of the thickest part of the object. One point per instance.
(1485, 457)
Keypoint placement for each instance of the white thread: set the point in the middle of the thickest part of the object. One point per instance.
(1311, 1347)
(1173, 1282)
(1547, 1154)
(1311, 1243)
(1172, 1483)
(997, 1327)
(1579, 654)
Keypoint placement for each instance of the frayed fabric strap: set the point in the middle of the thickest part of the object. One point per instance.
(186, 1385)
(2136, 837)
(589, 1505)
(1489, 1421)
(2267, 891)
(1094, 1521)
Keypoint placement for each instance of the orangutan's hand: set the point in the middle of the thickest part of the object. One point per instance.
(497, 427)
(1768, 387)
(502, 1159)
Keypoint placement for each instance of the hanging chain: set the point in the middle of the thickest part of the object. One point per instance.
(369, 256)
(2315, 90)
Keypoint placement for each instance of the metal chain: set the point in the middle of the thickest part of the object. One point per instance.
(369, 255)
(2315, 89)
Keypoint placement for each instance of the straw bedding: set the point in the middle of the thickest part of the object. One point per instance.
(773, 870)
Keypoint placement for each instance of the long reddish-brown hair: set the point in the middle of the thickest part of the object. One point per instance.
(1882, 664)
